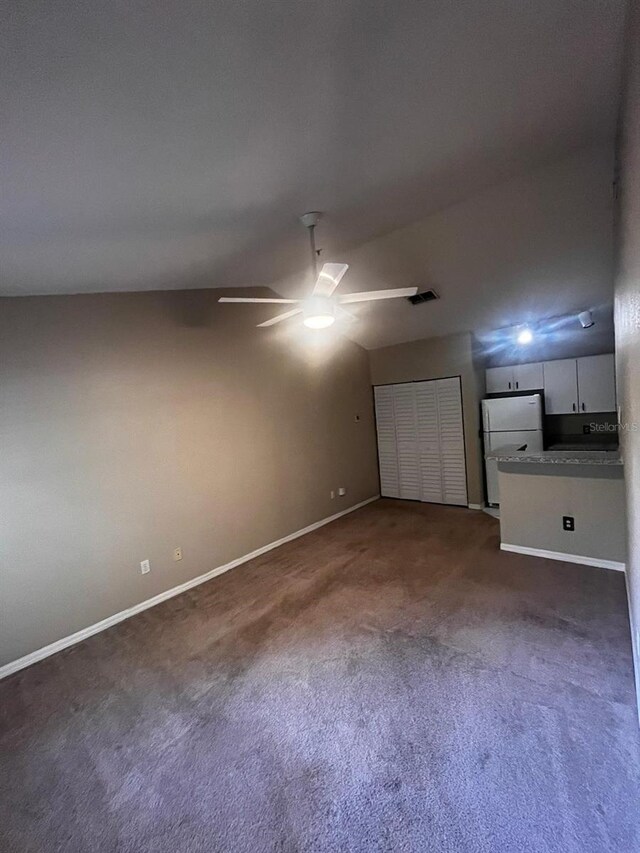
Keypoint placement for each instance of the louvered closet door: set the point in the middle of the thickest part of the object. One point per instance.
(429, 441)
(404, 407)
(387, 452)
(451, 434)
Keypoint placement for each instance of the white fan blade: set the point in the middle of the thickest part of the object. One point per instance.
(341, 314)
(371, 295)
(329, 278)
(279, 318)
(252, 299)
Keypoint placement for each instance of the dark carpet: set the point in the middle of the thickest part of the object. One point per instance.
(391, 682)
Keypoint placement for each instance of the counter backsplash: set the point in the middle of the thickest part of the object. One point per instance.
(598, 431)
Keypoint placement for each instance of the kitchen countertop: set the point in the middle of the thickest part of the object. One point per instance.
(510, 453)
(609, 446)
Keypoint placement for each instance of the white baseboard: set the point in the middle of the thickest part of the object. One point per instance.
(565, 558)
(84, 633)
(635, 645)
(476, 506)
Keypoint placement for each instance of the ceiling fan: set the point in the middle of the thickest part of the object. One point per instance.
(321, 309)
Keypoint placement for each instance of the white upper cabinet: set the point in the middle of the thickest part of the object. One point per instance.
(499, 379)
(596, 383)
(570, 385)
(517, 377)
(528, 377)
(560, 386)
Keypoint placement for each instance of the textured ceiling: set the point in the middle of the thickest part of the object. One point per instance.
(170, 145)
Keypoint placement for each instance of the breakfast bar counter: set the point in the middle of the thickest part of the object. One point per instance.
(509, 454)
(563, 504)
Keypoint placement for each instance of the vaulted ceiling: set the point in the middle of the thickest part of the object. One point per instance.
(171, 145)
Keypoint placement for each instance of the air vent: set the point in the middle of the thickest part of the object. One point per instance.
(425, 296)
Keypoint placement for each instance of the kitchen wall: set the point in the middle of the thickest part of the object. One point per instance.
(132, 424)
(599, 428)
(627, 317)
(594, 496)
(437, 358)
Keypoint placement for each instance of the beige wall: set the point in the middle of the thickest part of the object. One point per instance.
(532, 506)
(437, 358)
(135, 423)
(627, 319)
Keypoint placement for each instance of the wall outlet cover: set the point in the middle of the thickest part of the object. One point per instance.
(177, 554)
(342, 491)
(568, 523)
(145, 567)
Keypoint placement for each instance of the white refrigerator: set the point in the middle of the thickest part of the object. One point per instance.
(510, 421)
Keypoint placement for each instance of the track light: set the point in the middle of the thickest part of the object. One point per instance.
(586, 320)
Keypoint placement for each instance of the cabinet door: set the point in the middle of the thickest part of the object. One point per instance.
(404, 408)
(499, 379)
(597, 383)
(560, 386)
(451, 433)
(528, 377)
(387, 453)
(429, 441)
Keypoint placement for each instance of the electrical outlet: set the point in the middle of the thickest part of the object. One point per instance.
(145, 567)
(342, 491)
(333, 495)
(357, 418)
(586, 429)
(177, 554)
(568, 523)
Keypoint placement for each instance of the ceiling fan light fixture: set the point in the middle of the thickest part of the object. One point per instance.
(319, 321)
(323, 307)
(319, 312)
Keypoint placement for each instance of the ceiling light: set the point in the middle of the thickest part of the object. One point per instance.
(319, 312)
(319, 321)
(525, 336)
